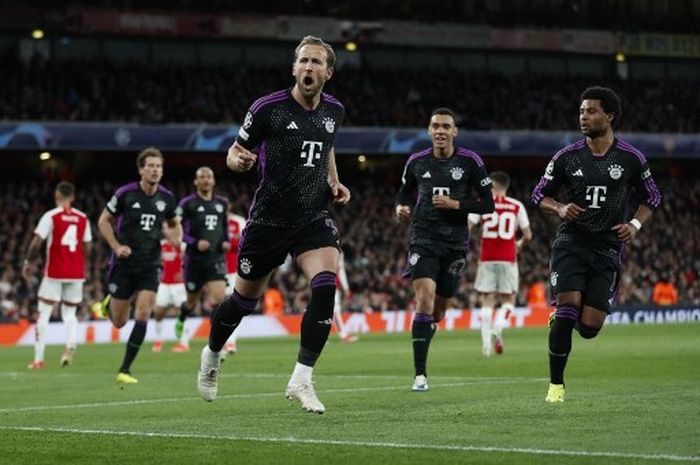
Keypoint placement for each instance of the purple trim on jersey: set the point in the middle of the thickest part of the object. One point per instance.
(653, 194)
(241, 240)
(187, 237)
(537, 194)
(422, 153)
(417, 199)
(268, 99)
(221, 197)
(330, 99)
(406, 272)
(462, 152)
(132, 186)
(653, 191)
(629, 148)
(184, 200)
(186, 226)
(262, 160)
(120, 222)
(164, 190)
(324, 278)
(422, 317)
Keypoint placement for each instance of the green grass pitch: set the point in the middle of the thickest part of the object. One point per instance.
(633, 396)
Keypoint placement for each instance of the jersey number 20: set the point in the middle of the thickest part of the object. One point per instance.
(499, 226)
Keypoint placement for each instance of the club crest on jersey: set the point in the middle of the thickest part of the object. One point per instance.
(413, 259)
(457, 173)
(191, 286)
(160, 205)
(112, 288)
(219, 208)
(245, 266)
(329, 124)
(615, 171)
(554, 278)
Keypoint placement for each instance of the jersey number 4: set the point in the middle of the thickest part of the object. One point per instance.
(70, 237)
(499, 226)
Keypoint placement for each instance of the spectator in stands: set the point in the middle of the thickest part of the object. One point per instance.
(665, 292)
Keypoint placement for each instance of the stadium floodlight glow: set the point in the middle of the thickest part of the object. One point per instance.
(620, 57)
(37, 34)
(362, 159)
(43, 156)
(351, 46)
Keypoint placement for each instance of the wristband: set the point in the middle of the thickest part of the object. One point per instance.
(636, 223)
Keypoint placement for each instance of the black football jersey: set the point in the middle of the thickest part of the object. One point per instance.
(602, 184)
(459, 177)
(139, 221)
(204, 220)
(293, 146)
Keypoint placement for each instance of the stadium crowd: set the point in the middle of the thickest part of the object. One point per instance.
(374, 244)
(547, 14)
(99, 90)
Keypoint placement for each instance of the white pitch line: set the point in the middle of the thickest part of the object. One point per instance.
(238, 396)
(385, 445)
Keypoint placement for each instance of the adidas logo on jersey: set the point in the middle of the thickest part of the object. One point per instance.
(200, 209)
(292, 125)
(426, 175)
(136, 205)
(578, 173)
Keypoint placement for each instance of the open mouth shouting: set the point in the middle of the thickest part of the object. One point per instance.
(308, 82)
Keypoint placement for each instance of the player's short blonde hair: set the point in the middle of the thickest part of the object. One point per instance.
(313, 40)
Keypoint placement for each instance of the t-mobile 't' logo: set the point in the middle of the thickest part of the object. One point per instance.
(311, 150)
(595, 194)
(441, 191)
(210, 222)
(147, 221)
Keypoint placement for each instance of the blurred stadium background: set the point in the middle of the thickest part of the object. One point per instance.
(86, 84)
